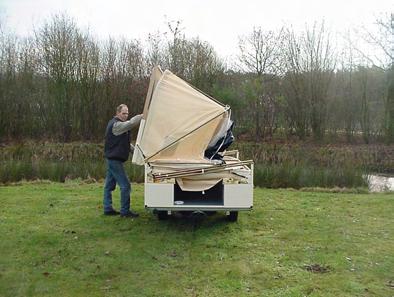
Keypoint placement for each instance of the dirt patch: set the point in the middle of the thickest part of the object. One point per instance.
(317, 268)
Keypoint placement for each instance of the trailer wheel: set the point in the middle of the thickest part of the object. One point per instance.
(162, 215)
(233, 216)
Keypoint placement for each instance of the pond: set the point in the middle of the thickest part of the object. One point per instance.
(380, 183)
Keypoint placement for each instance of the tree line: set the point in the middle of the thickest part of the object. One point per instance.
(63, 84)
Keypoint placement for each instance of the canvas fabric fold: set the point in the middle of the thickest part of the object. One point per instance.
(179, 123)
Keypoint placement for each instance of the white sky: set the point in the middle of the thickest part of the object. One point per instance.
(220, 22)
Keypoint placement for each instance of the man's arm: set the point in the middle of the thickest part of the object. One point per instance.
(121, 127)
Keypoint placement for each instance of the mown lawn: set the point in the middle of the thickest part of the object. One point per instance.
(56, 242)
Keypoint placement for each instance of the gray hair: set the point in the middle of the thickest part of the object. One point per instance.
(119, 108)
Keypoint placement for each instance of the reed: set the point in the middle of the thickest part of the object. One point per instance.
(287, 176)
(293, 165)
(60, 171)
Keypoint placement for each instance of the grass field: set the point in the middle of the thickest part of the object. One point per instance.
(56, 242)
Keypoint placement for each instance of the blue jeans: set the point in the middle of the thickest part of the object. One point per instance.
(116, 174)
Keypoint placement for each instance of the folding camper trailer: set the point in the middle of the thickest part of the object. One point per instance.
(181, 142)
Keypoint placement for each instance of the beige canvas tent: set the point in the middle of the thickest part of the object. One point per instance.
(179, 123)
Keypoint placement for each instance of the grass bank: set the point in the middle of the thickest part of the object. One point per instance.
(55, 242)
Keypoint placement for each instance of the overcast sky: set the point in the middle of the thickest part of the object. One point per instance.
(220, 22)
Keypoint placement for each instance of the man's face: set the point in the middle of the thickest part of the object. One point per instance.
(123, 114)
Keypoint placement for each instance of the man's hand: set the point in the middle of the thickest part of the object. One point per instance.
(139, 117)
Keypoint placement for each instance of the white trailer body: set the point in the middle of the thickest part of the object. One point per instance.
(166, 195)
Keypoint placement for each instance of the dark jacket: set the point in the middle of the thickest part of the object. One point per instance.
(116, 147)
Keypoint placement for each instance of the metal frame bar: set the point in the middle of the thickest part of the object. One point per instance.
(198, 171)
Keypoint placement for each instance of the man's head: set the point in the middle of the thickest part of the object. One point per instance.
(122, 112)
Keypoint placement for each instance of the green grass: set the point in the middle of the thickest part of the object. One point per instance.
(56, 242)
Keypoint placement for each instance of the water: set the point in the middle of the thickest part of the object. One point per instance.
(380, 183)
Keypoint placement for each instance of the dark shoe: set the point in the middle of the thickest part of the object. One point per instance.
(130, 214)
(111, 212)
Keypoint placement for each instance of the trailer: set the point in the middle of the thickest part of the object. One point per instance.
(182, 143)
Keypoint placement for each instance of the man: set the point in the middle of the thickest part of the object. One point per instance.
(116, 151)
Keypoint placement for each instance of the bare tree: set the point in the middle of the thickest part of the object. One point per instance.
(346, 108)
(177, 49)
(107, 78)
(56, 42)
(260, 57)
(86, 113)
(382, 39)
(132, 70)
(260, 52)
(155, 53)
(310, 64)
(8, 79)
(192, 59)
(204, 65)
